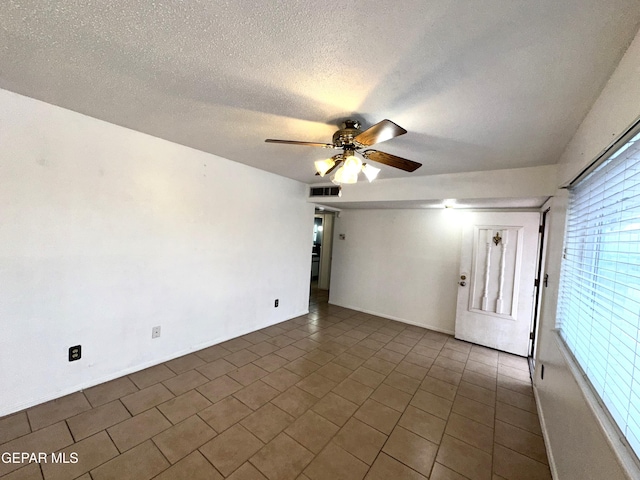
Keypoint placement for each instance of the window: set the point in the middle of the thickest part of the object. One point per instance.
(599, 302)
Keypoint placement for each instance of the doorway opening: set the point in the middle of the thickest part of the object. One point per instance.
(321, 251)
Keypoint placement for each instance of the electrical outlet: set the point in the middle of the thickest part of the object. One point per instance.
(75, 353)
(155, 332)
(276, 303)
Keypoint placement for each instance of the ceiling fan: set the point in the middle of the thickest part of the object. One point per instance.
(351, 140)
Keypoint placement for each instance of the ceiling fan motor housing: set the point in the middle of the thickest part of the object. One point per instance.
(344, 137)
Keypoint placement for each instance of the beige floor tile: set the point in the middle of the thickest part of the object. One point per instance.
(267, 422)
(97, 419)
(183, 438)
(391, 356)
(13, 426)
(52, 412)
(236, 344)
(515, 466)
(402, 382)
(184, 363)
(521, 441)
(483, 357)
(302, 367)
(150, 376)
(91, 453)
(281, 341)
(271, 362)
(482, 368)
(290, 352)
(391, 397)
(449, 376)
(361, 351)
(510, 383)
(282, 459)
(454, 355)
(312, 431)
(471, 432)
(256, 394)
(109, 391)
(430, 403)
(398, 347)
(411, 370)
(426, 351)
(518, 374)
(348, 360)
(294, 401)
(231, 449)
(379, 365)
(319, 357)
(225, 413)
(140, 463)
(387, 468)
(439, 387)
(334, 463)
(480, 380)
(335, 408)
(369, 343)
(185, 381)
(353, 391)
(316, 385)
(306, 344)
(449, 364)
(216, 369)
(137, 429)
(426, 425)
(221, 387)
(378, 416)
(479, 394)
(247, 472)
(381, 337)
(360, 440)
(187, 404)
(263, 348)
(440, 472)
(411, 449)
(255, 338)
(146, 398)
(30, 472)
(367, 377)
(281, 379)
(248, 374)
(465, 459)
(477, 411)
(334, 372)
(513, 398)
(212, 353)
(191, 467)
(48, 439)
(518, 418)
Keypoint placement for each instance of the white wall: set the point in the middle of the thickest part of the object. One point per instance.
(399, 264)
(578, 446)
(106, 232)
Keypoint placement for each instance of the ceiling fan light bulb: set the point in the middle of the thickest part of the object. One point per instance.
(353, 165)
(323, 166)
(370, 172)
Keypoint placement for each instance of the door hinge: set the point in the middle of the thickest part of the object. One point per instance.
(540, 228)
(531, 336)
(536, 282)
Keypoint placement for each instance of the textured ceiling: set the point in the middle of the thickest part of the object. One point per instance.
(479, 85)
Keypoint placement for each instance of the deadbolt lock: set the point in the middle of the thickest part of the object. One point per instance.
(463, 277)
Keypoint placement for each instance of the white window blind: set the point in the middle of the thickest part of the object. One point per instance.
(599, 301)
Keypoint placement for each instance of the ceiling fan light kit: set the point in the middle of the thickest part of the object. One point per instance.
(351, 140)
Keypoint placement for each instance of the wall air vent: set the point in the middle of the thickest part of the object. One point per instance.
(324, 192)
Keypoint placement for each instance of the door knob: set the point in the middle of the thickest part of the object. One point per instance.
(462, 284)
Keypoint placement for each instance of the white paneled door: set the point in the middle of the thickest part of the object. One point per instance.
(496, 283)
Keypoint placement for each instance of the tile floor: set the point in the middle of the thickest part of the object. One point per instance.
(332, 395)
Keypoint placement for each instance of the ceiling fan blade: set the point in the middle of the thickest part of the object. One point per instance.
(391, 160)
(294, 142)
(381, 131)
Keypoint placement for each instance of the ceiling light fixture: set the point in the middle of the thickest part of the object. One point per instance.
(348, 167)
